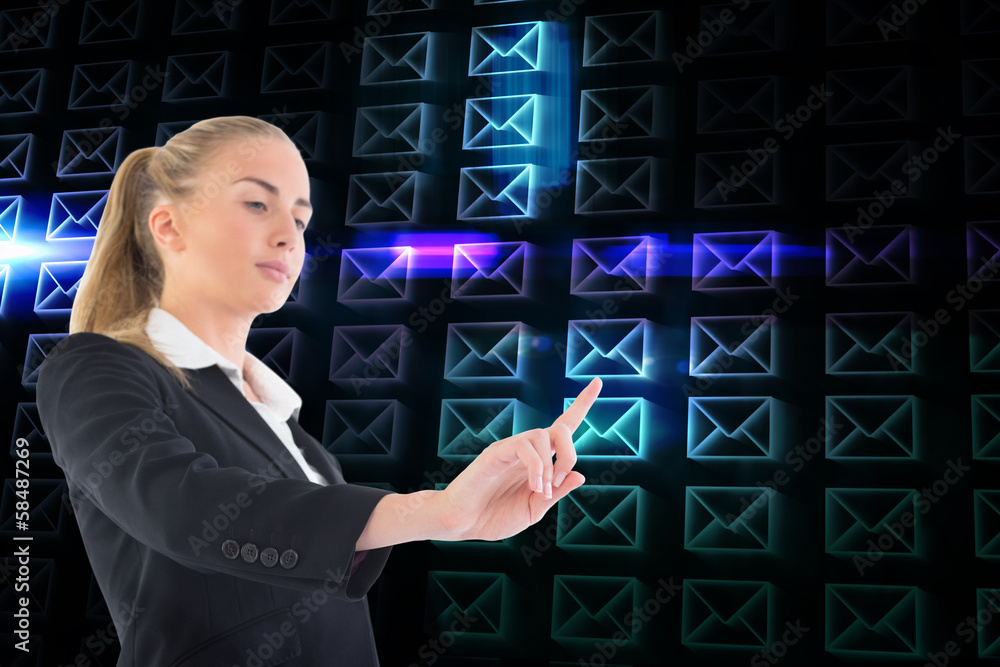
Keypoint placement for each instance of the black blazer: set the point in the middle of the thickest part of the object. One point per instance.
(211, 546)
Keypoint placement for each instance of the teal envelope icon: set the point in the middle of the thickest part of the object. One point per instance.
(872, 620)
(475, 599)
(615, 347)
(734, 518)
(870, 427)
(729, 426)
(855, 517)
(477, 351)
(502, 49)
(986, 426)
(726, 613)
(612, 427)
(500, 122)
(605, 516)
(469, 425)
(592, 607)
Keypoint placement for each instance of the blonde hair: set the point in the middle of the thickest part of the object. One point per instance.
(124, 276)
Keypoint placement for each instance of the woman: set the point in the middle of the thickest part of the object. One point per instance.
(204, 507)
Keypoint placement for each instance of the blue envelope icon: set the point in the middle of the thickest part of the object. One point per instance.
(610, 114)
(374, 274)
(612, 427)
(58, 283)
(362, 427)
(39, 346)
(986, 426)
(500, 122)
(294, 67)
(729, 426)
(503, 49)
(873, 620)
(614, 348)
(301, 11)
(614, 265)
(738, 105)
(612, 39)
(14, 151)
(393, 129)
(983, 245)
(855, 518)
(470, 425)
(879, 256)
(489, 269)
(10, 209)
(504, 192)
(732, 518)
(398, 6)
(484, 351)
(604, 516)
(192, 16)
(20, 91)
(869, 343)
(870, 427)
(100, 85)
(984, 341)
(93, 151)
(731, 345)
(726, 613)
(75, 215)
(196, 76)
(396, 58)
(477, 601)
(733, 260)
(592, 607)
(384, 198)
(368, 353)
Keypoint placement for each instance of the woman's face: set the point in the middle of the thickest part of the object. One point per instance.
(250, 206)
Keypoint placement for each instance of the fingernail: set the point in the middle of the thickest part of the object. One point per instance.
(538, 484)
(548, 490)
(560, 478)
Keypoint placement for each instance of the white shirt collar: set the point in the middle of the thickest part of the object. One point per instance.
(181, 346)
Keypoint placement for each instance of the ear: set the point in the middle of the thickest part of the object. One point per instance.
(165, 224)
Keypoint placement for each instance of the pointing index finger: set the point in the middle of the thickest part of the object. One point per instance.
(580, 406)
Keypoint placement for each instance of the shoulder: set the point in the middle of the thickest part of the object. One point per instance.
(88, 350)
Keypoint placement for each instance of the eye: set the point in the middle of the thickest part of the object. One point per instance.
(253, 204)
(301, 223)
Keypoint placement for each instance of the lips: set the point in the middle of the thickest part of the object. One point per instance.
(279, 266)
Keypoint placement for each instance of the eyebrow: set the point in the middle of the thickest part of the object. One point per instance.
(273, 189)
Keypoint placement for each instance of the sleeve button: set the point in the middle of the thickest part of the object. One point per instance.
(249, 552)
(230, 549)
(289, 558)
(269, 557)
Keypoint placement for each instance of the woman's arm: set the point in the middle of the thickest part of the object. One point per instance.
(508, 487)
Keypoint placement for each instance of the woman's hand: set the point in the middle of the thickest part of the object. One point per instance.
(513, 482)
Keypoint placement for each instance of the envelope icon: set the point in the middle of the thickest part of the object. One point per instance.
(503, 49)
(504, 192)
(484, 351)
(985, 427)
(615, 265)
(24, 28)
(614, 348)
(731, 345)
(478, 599)
(856, 516)
(873, 620)
(984, 17)
(869, 343)
(610, 114)
(75, 215)
(106, 24)
(10, 209)
(19, 91)
(500, 122)
(91, 151)
(731, 518)
(470, 425)
(388, 130)
(986, 512)
(195, 76)
(360, 427)
(276, 348)
(396, 58)
(754, 29)
(612, 427)
(982, 165)
(390, 6)
(715, 184)
(300, 11)
(202, 16)
(989, 641)
(47, 508)
(488, 269)
(99, 85)
(729, 426)
(39, 345)
(592, 607)
(28, 426)
(368, 274)
(858, 21)
(14, 151)
(732, 260)
(981, 86)
(726, 613)
(612, 39)
(368, 353)
(738, 105)
(983, 240)
(308, 129)
(605, 516)
(294, 67)
(860, 171)
(383, 198)
(870, 95)
(879, 256)
(870, 427)
(617, 185)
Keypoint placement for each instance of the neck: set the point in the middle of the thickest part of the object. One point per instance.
(223, 331)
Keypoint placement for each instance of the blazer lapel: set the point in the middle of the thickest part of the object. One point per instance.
(218, 394)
